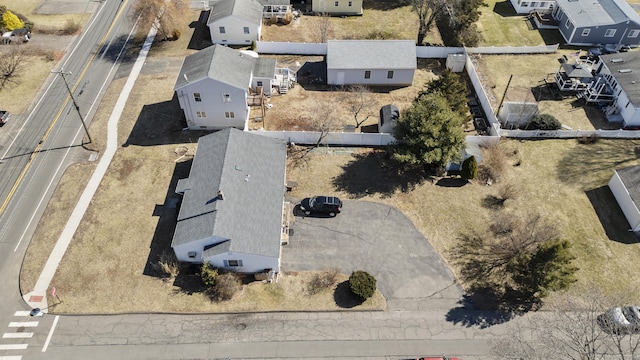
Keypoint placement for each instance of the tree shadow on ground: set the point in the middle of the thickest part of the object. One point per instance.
(373, 173)
(344, 297)
(504, 9)
(312, 75)
(383, 4)
(201, 37)
(452, 182)
(611, 216)
(160, 124)
(114, 52)
(485, 307)
(591, 165)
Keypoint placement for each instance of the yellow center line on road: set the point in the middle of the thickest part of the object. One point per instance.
(59, 113)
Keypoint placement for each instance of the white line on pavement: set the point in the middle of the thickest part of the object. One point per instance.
(22, 313)
(23, 324)
(10, 357)
(19, 335)
(14, 347)
(53, 327)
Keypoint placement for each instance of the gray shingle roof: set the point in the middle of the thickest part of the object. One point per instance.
(630, 177)
(265, 68)
(371, 54)
(629, 80)
(249, 10)
(219, 63)
(249, 169)
(587, 13)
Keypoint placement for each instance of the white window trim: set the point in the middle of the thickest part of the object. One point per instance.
(197, 97)
(246, 30)
(567, 23)
(229, 115)
(585, 32)
(610, 31)
(226, 97)
(634, 33)
(222, 30)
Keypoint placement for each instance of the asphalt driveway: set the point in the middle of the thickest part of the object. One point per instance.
(376, 238)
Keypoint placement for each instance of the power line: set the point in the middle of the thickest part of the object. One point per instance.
(73, 99)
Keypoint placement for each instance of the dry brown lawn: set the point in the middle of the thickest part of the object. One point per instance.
(527, 85)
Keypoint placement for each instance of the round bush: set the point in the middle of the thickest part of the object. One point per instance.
(362, 284)
(469, 169)
(543, 122)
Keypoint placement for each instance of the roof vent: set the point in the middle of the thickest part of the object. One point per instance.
(220, 195)
(624, 71)
(615, 61)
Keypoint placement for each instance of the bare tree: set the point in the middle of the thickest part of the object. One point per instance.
(428, 12)
(358, 100)
(170, 15)
(321, 118)
(324, 27)
(11, 64)
(570, 331)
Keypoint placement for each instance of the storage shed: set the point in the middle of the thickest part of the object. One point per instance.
(371, 62)
(625, 186)
(389, 115)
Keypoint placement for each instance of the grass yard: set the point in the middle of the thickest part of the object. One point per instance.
(500, 25)
(378, 21)
(29, 8)
(563, 181)
(527, 85)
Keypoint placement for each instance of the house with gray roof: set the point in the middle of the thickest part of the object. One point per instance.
(625, 186)
(214, 85)
(231, 214)
(617, 82)
(235, 22)
(590, 22)
(371, 62)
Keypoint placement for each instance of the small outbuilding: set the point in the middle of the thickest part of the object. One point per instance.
(517, 114)
(371, 62)
(389, 115)
(625, 186)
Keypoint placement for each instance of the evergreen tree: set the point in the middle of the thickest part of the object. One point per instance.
(469, 168)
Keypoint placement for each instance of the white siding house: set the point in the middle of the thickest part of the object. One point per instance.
(231, 214)
(371, 62)
(235, 22)
(337, 7)
(526, 6)
(625, 186)
(212, 88)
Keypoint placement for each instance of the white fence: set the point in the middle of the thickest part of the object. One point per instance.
(291, 48)
(482, 141)
(437, 52)
(482, 97)
(333, 138)
(570, 134)
(542, 49)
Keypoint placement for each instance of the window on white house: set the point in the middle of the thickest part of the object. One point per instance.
(233, 263)
(524, 4)
(336, 3)
(192, 254)
(567, 24)
(201, 114)
(246, 29)
(226, 97)
(390, 74)
(259, 83)
(197, 97)
(634, 33)
(222, 31)
(350, 3)
(229, 114)
(586, 32)
(367, 74)
(610, 33)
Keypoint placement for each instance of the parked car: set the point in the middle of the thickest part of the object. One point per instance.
(330, 205)
(21, 35)
(620, 320)
(4, 117)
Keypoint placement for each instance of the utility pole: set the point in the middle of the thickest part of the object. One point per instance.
(73, 99)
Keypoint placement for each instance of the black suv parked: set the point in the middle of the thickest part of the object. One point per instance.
(330, 205)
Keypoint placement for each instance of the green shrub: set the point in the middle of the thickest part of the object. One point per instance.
(469, 168)
(362, 284)
(226, 285)
(322, 280)
(208, 275)
(543, 122)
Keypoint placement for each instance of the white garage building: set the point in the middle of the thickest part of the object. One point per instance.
(625, 186)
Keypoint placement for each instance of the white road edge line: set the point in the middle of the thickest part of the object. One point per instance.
(53, 327)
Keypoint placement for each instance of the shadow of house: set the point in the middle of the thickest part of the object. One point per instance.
(312, 75)
(160, 124)
(382, 4)
(201, 37)
(504, 9)
(610, 215)
(167, 214)
(552, 37)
